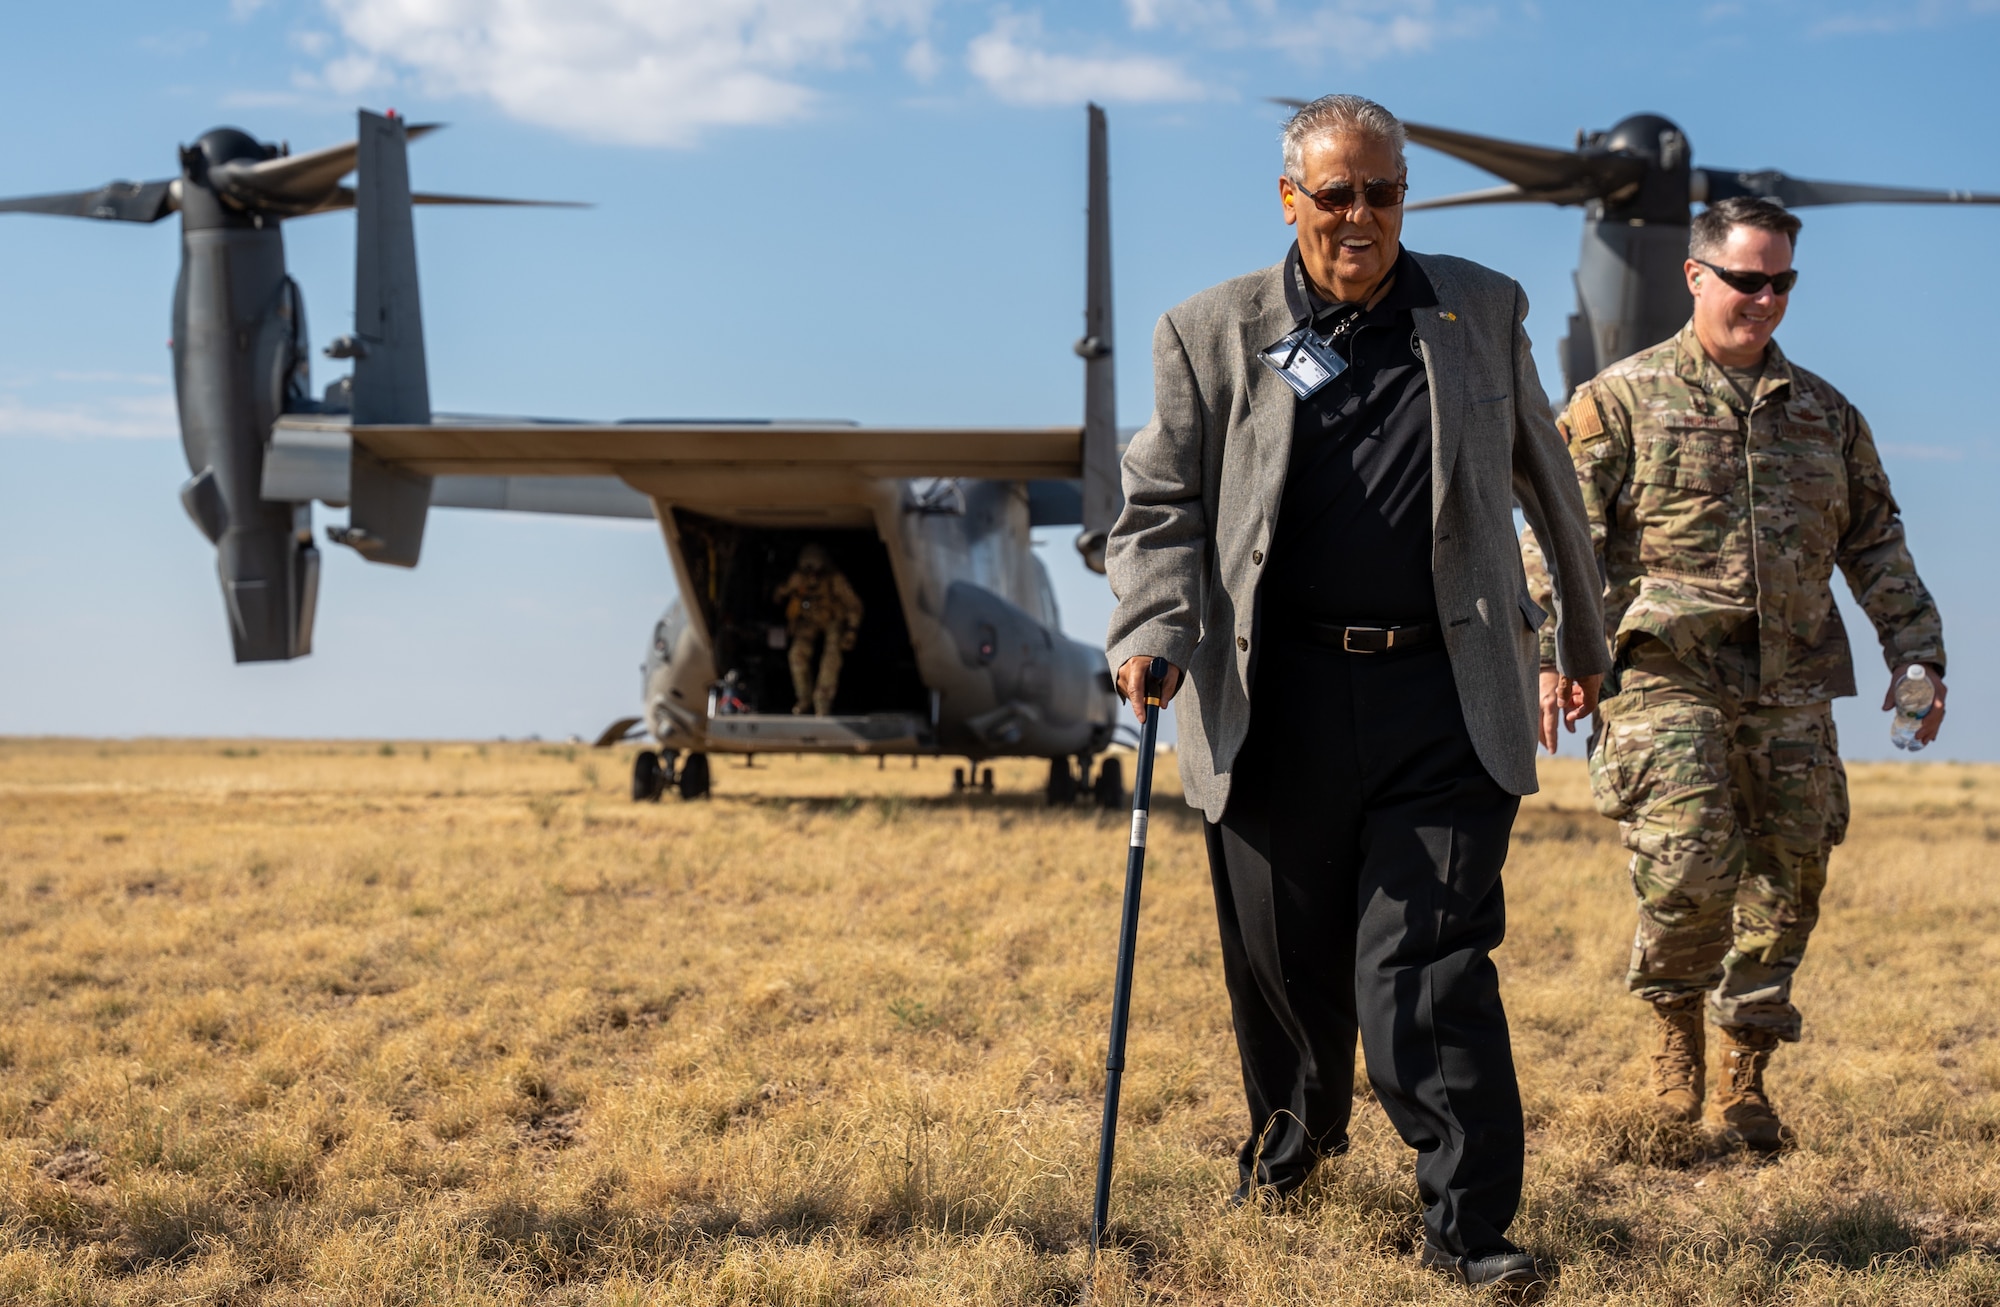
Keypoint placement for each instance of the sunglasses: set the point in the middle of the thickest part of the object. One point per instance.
(1749, 283)
(1339, 199)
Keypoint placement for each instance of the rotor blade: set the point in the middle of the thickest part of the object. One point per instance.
(1536, 168)
(1533, 167)
(342, 197)
(1542, 173)
(1799, 193)
(431, 197)
(116, 202)
(1492, 195)
(294, 180)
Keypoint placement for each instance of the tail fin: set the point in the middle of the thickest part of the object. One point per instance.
(1103, 497)
(391, 381)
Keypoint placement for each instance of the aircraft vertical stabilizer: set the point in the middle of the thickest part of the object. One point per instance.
(391, 381)
(1103, 497)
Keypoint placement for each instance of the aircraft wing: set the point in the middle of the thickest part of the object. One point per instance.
(314, 456)
(629, 449)
(565, 496)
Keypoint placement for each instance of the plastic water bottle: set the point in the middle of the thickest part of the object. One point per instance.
(1913, 696)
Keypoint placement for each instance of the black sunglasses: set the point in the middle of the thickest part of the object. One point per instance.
(1749, 283)
(1339, 199)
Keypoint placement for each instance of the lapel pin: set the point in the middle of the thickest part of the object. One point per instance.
(1448, 317)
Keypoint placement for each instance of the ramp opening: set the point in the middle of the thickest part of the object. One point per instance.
(736, 571)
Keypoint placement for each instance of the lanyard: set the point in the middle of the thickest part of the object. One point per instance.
(1342, 318)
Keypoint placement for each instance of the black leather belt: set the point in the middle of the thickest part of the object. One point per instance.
(1367, 639)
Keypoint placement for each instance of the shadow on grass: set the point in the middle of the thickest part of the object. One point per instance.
(1853, 1234)
(1167, 810)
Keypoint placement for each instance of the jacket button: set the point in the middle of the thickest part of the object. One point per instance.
(1257, 556)
(1242, 643)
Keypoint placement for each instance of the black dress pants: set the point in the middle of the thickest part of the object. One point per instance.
(1357, 885)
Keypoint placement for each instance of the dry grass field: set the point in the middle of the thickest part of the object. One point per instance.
(345, 1023)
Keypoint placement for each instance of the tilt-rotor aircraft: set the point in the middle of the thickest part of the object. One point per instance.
(960, 652)
(1636, 184)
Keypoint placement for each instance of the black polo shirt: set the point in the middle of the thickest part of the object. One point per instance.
(1353, 543)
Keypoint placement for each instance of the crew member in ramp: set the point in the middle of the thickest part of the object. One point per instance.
(820, 608)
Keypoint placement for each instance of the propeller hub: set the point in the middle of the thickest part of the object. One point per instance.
(1662, 193)
(1650, 137)
(207, 199)
(228, 144)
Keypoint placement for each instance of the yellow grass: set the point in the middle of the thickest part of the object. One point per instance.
(341, 1023)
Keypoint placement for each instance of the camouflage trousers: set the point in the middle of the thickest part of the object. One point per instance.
(819, 693)
(1730, 809)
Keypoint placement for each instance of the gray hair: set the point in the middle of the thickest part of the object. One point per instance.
(1709, 231)
(1336, 115)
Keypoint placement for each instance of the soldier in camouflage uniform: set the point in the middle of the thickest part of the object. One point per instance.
(821, 608)
(1724, 484)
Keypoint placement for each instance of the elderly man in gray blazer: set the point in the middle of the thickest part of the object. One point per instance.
(1319, 530)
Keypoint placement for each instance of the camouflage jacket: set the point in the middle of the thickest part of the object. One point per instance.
(1714, 526)
(819, 602)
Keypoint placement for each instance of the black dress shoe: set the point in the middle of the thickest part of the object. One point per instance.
(1513, 1271)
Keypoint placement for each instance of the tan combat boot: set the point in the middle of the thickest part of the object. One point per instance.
(1741, 1113)
(1679, 1058)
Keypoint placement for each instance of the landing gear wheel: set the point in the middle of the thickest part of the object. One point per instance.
(694, 776)
(1061, 791)
(986, 781)
(649, 779)
(1109, 791)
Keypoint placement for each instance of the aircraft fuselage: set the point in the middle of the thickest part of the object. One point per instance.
(960, 651)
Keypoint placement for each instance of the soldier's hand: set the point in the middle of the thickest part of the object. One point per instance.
(1566, 701)
(1551, 708)
(847, 639)
(1132, 684)
(1927, 729)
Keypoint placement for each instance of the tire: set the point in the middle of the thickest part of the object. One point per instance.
(986, 781)
(1109, 791)
(694, 776)
(958, 780)
(1061, 790)
(647, 779)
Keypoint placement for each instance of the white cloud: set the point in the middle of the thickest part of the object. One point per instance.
(1901, 16)
(1354, 31)
(1011, 61)
(136, 417)
(1148, 14)
(1361, 31)
(641, 72)
(174, 44)
(923, 61)
(1924, 453)
(111, 378)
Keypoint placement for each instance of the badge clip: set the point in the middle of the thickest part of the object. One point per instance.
(1304, 361)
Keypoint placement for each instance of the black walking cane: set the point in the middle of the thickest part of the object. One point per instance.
(1128, 944)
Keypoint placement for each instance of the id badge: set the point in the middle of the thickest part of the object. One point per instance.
(1303, 362)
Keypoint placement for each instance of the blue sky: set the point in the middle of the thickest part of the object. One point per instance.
(890, 187)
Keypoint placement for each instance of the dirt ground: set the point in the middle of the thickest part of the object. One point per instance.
(296, 1022)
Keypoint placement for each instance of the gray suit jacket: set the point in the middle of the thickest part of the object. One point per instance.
(1203, 480)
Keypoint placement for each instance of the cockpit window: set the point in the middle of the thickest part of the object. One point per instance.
(1045, 596)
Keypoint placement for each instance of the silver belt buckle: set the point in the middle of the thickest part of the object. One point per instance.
(1347, 639)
